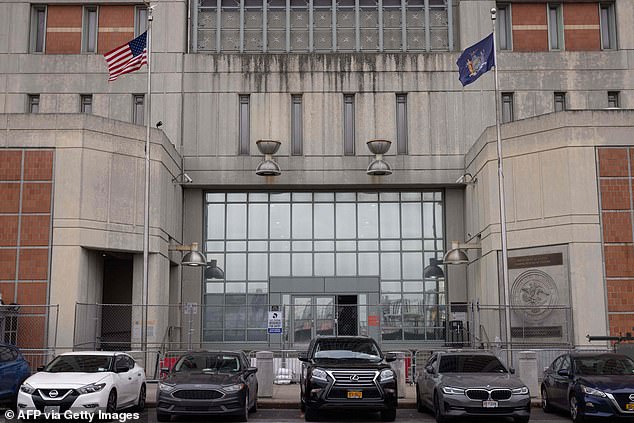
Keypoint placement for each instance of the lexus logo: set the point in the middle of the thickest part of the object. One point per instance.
(354, 378)
(53, 393)
(631, 397)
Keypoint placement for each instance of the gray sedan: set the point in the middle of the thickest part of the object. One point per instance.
(459, 384)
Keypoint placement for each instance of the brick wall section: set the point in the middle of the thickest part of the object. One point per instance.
(116, 26)
(63, 29)
(581, 26)
(616, 168)
(530, 27)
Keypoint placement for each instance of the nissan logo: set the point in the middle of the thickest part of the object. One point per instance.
(53, 393)
(631, 397)
(354, 378)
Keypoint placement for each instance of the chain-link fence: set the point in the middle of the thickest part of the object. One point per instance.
(32, 328)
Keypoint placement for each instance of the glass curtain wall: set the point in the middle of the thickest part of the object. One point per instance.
(260, 26)
(392, 235)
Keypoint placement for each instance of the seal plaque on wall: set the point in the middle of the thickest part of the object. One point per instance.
(534, 292)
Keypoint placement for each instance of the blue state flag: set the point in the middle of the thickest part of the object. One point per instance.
(476, 60)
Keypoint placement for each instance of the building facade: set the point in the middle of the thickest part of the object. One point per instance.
(337, 249)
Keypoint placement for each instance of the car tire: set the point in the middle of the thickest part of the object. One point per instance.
(163, 417)
(140, 405)
(546, 406)
(440, 417)
(575, 414)
(388, 415)
(244, 414)
(523, 419)
(419, 403)
(310, 415)
(111, 405)
(254, 407)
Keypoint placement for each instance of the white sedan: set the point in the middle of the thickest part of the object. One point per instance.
(87, 381)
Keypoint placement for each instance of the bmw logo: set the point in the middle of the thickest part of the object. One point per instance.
(53, 393)
(631, 397)
(354, 378)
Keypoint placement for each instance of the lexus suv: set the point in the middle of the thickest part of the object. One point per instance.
(347, 373)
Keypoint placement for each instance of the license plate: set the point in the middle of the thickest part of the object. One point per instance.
(489, 404)
(355, 394)
(52, 410)
(630, 406)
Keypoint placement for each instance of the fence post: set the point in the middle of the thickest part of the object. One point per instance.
(528, 371)
(398, 367)
(264, 363)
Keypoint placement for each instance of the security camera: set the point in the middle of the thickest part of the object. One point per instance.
(493, 12)
(159, 123)
(187, 179)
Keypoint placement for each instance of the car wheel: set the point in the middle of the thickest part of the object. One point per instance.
(546, 402)
(388, 415)
(244, 414)
(163, 417)
(419, 403)
(440, 417)
(111, 405)
(310, 415)
(575, 414)
(254, 407)
(140, 405)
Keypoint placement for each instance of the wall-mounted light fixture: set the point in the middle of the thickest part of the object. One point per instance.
(378, 166)
(433, 270)
(268, 167)
(213, 271)
(457, 255)
(192, 256)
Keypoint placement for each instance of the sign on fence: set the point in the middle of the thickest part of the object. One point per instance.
(275, 322)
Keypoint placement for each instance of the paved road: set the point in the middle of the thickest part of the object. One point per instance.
(402, 416)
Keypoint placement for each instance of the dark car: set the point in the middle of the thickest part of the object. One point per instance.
(14, 370)
(464, 384)
(590, 385)
(208, 383)
(347, 373)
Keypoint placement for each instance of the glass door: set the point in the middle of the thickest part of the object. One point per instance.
(311, 316)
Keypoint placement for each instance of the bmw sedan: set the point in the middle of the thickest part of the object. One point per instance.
(464, 384)
(590, 385)
(208, 383)
(14, 369)
(89, 381)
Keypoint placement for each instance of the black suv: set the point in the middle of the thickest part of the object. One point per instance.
(347, 373)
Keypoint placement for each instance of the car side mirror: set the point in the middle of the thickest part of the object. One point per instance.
(40, 368)
(429, 369)
(511, 370)
(389, 357)
(252, 370)
(563, 372)
(302, 356)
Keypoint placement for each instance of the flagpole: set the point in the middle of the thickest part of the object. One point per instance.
(505, 266)
(146, 203)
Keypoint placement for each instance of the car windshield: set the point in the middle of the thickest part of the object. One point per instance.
(208, 363)
(347, 349)
(477, 363)
(604, 366)
(80, 364)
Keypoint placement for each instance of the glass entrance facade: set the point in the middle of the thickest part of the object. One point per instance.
(258, 235)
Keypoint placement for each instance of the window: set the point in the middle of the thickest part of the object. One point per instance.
(140, 20)
(560, 102)
(243, 148)
(38, 29)
(296, 125)
(89, 25)
(34, 103)
(503, 23)
(555, 27)
(348, 124)
(613, 99)
(86, 103)
(401, 123)
(608, 26)
(138, 109)
(507, 107)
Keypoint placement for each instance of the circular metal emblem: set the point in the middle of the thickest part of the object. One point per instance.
(631, 397)
(53, 393)
(354, 378)
(534, 291)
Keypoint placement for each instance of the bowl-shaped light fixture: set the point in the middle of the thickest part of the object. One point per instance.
(378, 166)
(379, 146)
(193, 257)
(455, 256)
(212, 271)
(268, 167)
(433, 270)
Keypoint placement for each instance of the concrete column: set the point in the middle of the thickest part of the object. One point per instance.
(264, 363)
(528, 371)
(398, 367)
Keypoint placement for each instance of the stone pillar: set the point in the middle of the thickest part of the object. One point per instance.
(528, 371)
(398, 366)
(264, 363)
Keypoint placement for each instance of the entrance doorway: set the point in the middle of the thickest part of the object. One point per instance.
(116, 313)
(323, 315)
(347, 315)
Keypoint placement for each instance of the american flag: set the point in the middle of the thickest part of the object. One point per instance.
(128, 57)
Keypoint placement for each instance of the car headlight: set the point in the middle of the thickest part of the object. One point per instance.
(233, 388)
(591, 391)
(319, 374)
(89, 389)
(386, 375)
(448, 390)
(27, 389)
(520, 391)
(166, 387)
